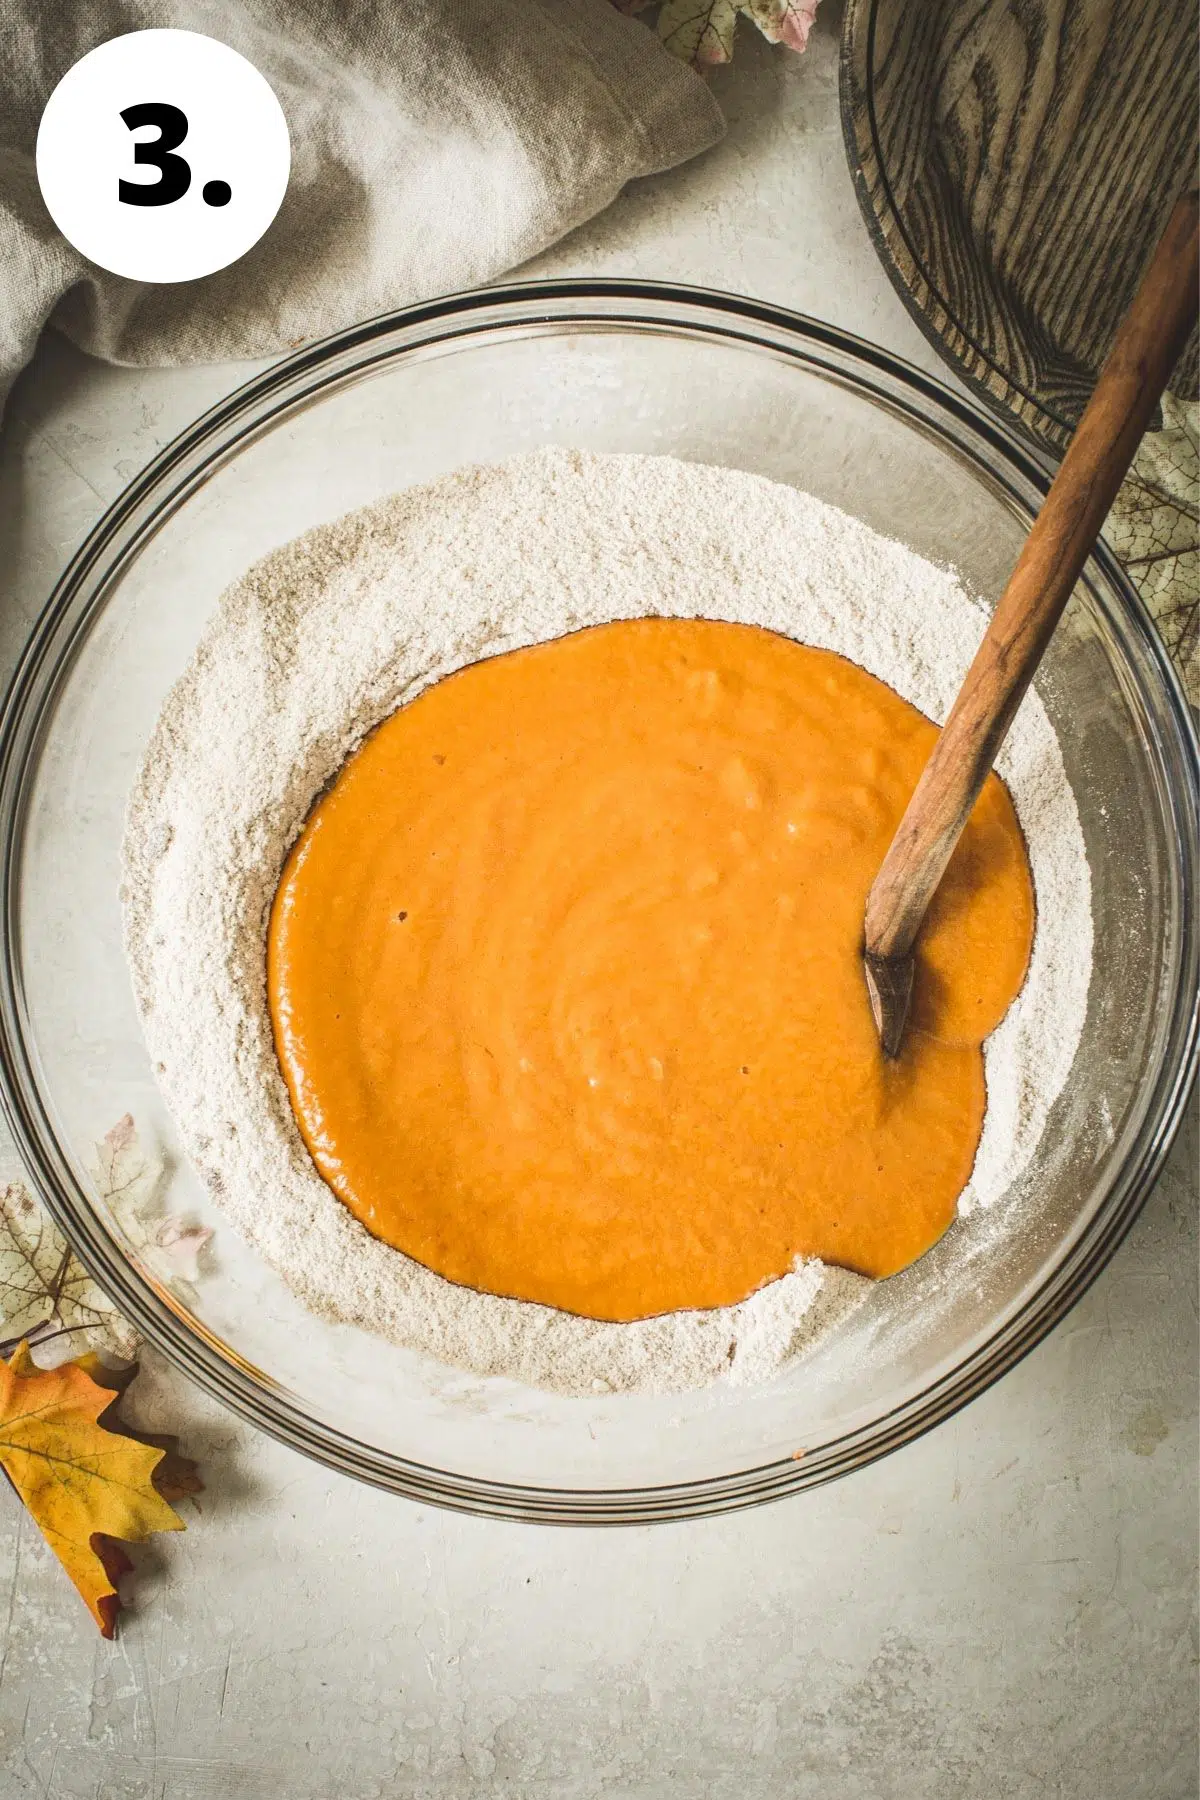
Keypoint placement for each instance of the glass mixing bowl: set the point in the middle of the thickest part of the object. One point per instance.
(612, 366)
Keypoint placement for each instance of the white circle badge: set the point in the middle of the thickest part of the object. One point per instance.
(163, 155)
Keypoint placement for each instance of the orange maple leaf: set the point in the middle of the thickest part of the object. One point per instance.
(89, 1485)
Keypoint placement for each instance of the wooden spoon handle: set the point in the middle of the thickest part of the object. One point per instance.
(1138, 367)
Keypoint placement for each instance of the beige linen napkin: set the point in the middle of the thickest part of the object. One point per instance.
(435, 144)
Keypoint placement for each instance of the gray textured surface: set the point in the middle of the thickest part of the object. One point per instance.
(1003, 1610)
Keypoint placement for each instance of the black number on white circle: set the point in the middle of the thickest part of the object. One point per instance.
(175, 176)
(174, 173)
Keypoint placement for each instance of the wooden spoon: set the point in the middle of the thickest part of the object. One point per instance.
(1147, 346)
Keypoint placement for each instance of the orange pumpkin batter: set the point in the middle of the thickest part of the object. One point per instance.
(566, 983)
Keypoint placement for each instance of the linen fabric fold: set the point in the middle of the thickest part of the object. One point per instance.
(435, 144)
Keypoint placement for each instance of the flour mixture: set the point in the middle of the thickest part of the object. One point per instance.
(324, 640)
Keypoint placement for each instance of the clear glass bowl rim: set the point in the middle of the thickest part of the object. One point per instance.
(1022, 474)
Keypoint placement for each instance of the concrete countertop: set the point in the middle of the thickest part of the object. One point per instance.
(1004, 1609)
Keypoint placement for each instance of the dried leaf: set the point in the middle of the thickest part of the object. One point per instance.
(783, 21)
(126, 1175)
(701, 32)
(48, 1296)
(177, 1248)
(1154, 527)
(89, 1483)
(129, 1181)
(44, 1289)
(175, 1475)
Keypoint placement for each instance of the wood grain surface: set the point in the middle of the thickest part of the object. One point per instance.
(1017, 161)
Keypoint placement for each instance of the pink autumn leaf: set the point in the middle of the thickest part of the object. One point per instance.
(130, 1181)
(181, 1245)
(126, 1178)
(120, 1138)
(701, 32)
(783, 21)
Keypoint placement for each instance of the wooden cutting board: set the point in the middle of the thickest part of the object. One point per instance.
(1016, 161)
